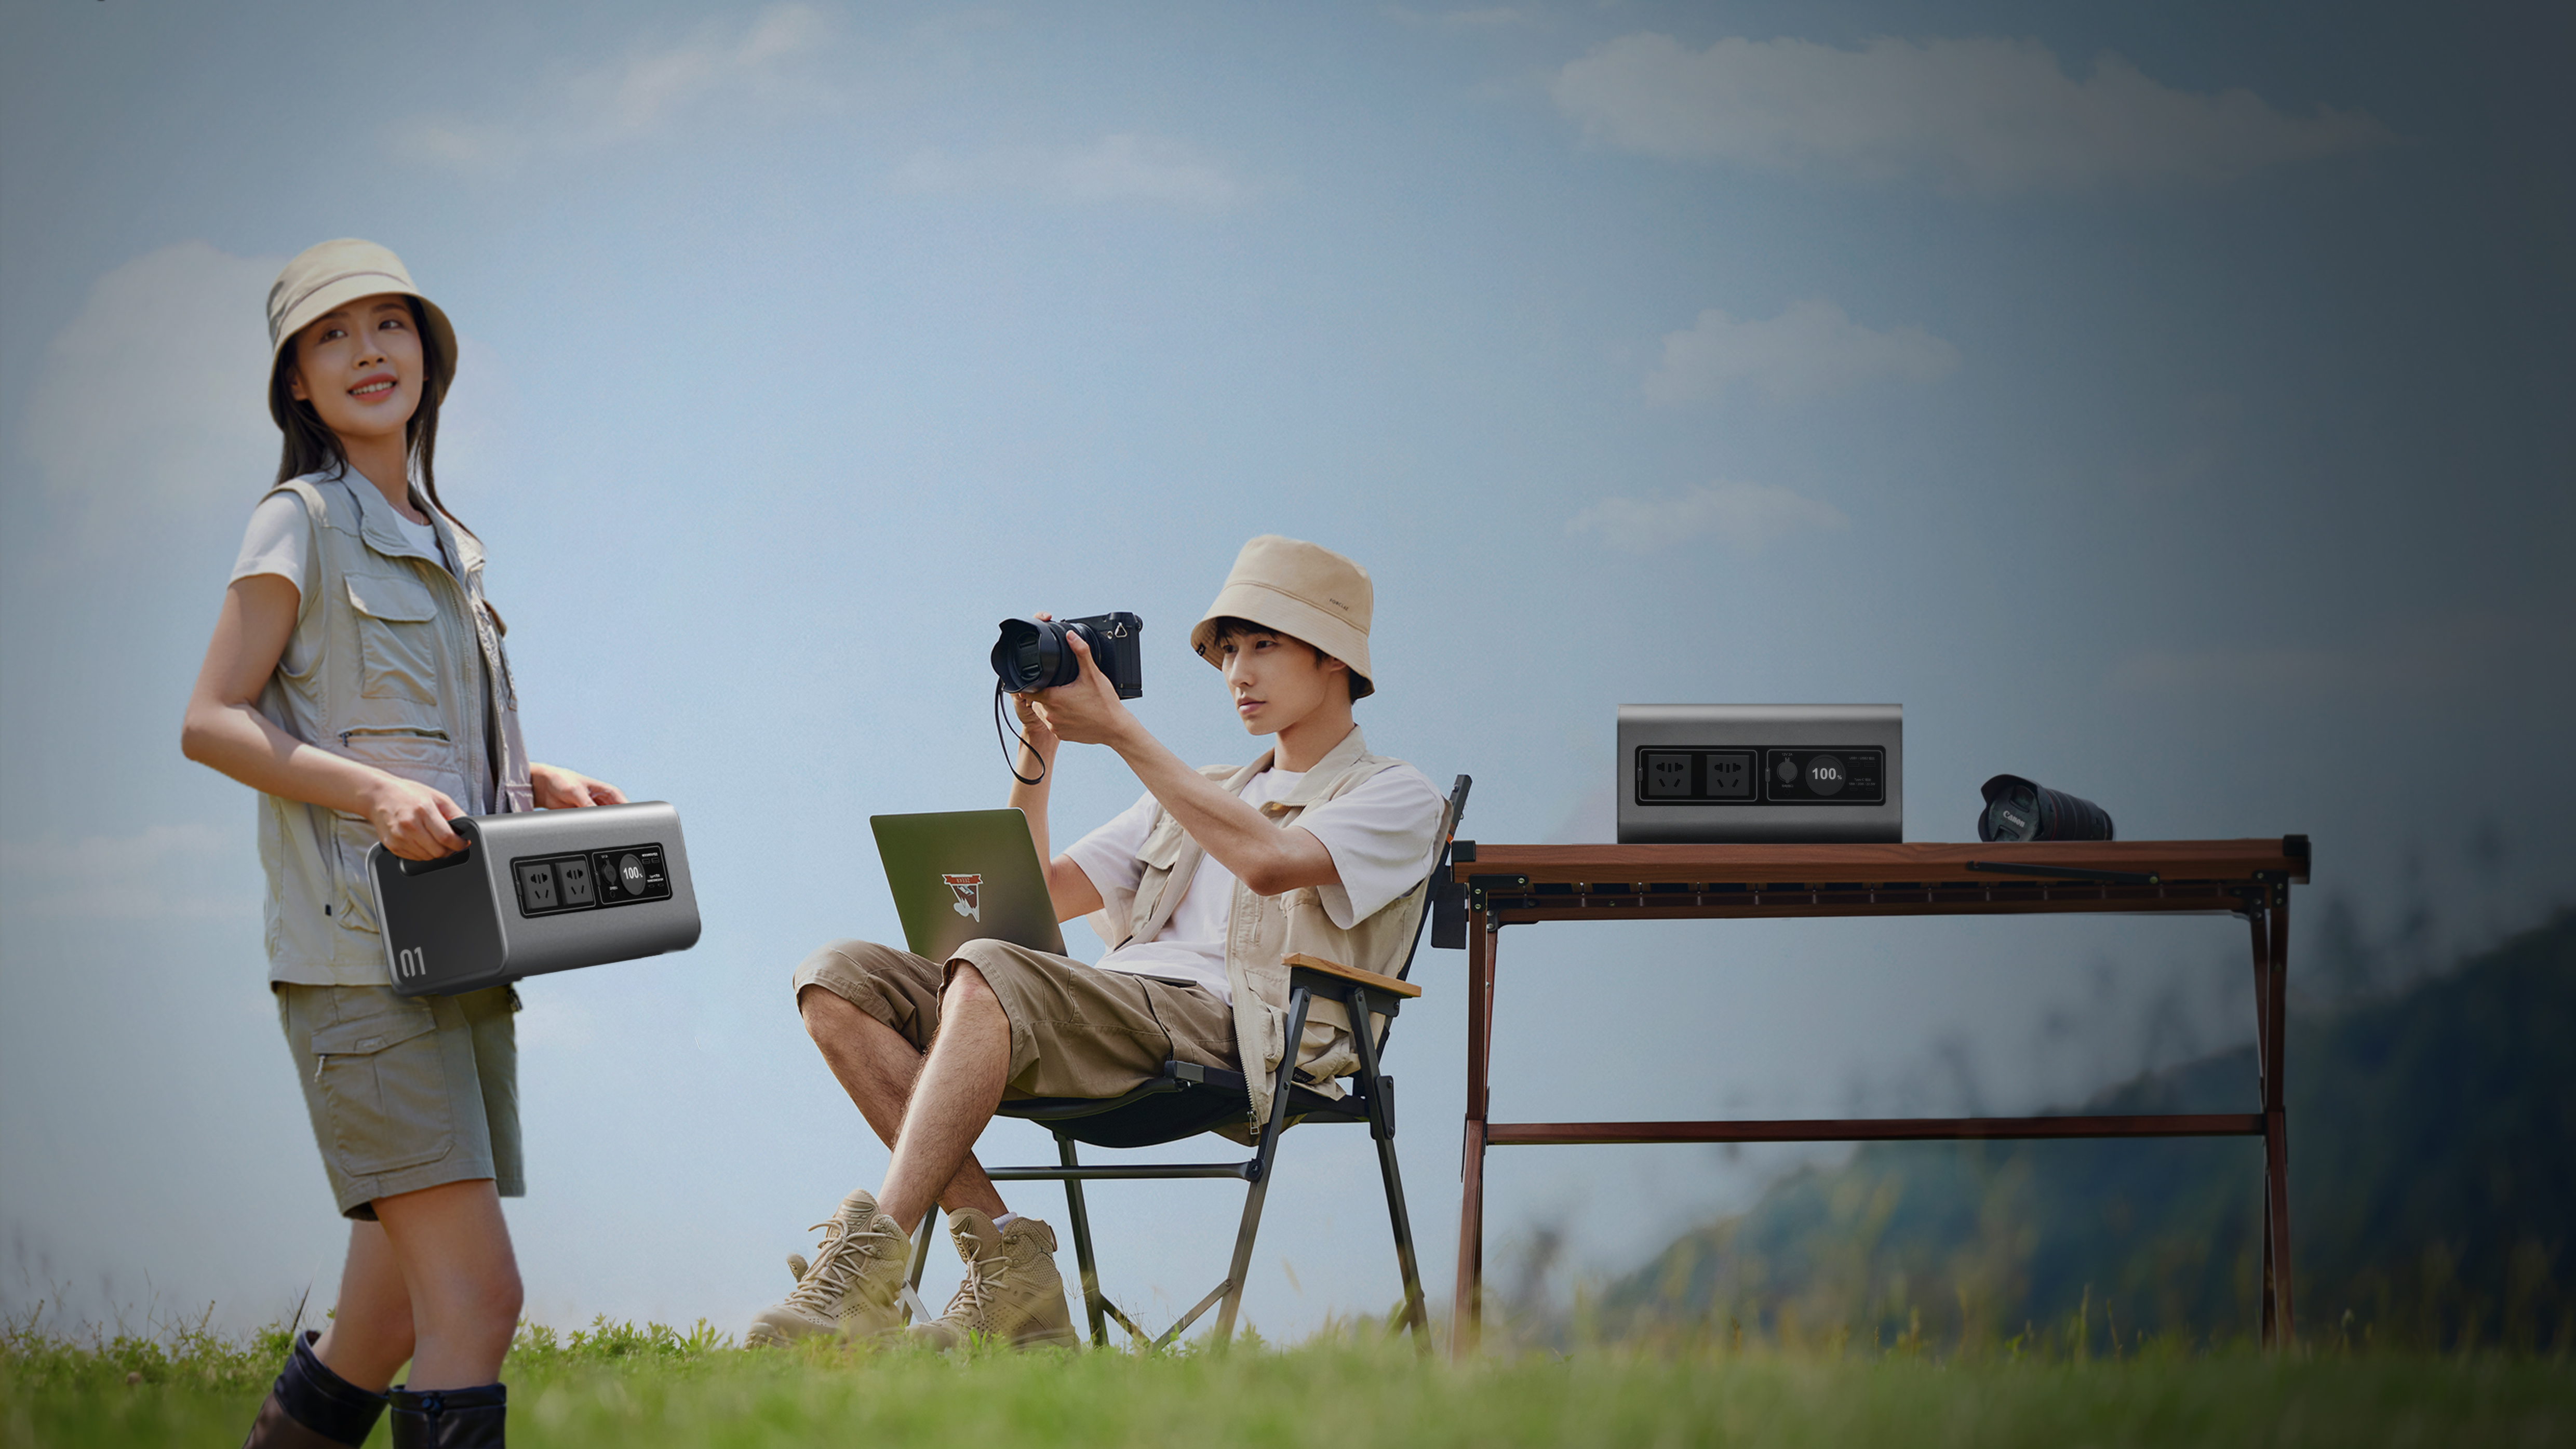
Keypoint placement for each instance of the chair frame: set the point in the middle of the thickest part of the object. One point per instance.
(1188, 1099)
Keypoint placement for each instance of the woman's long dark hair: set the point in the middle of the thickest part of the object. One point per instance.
(311, 447)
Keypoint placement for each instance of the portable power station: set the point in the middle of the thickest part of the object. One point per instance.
(539, 891)
(1702, 774)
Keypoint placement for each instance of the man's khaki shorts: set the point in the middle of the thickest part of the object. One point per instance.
(406, 1093)
(1076, 1031)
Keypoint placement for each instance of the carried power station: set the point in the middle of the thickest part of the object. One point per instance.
(548, 890)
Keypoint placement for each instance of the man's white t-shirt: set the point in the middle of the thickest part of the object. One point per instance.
(280, 541)
(1382, 836)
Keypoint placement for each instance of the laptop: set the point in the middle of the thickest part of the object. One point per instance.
(966, 875)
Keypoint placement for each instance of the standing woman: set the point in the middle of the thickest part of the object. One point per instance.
(357, 681)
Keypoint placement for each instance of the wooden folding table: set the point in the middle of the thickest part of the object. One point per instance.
(1516, 884)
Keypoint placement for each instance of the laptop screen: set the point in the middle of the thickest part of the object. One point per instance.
(966, 875)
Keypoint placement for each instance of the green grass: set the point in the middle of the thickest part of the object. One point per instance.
(625, 1386)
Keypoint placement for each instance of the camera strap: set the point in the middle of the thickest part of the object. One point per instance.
(1010, 757)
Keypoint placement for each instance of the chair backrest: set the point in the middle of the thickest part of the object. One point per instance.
(1438, 880)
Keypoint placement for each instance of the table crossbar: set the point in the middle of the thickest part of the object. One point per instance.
(1875, 1129)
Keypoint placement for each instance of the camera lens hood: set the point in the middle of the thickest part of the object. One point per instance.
(1032, 654)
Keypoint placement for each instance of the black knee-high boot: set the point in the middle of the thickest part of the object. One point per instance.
(449, 1418)
(310, 1407)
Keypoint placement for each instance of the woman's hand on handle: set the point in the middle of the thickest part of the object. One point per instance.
(411, 818)
(557, 788)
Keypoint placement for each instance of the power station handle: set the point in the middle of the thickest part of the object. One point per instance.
(463, 827)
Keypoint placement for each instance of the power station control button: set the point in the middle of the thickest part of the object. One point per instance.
(1786, 772)
(625, 874)
(1825, 775)
(1667, 776)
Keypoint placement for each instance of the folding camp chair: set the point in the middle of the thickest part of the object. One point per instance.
(1188, 1099)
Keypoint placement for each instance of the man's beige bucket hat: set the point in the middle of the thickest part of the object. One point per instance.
(335, 274)
(1302, 590)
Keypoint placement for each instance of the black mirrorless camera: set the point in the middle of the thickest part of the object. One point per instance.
(1035, 654)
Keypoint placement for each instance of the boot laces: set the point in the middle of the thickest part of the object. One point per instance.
(838, 1266)
(981, 1285)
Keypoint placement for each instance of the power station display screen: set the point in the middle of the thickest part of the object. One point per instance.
(618, 877)
(1761, 776)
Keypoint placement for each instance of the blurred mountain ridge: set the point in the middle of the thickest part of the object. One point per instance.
(2432, 1198)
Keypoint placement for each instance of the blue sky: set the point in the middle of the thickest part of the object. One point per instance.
(2169, 406)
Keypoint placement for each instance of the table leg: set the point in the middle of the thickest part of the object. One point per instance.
(2261, 931)
(2276, 1124)
(1466, 1312)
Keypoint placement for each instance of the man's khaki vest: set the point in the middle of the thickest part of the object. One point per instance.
(1262, 929)
(407, 673)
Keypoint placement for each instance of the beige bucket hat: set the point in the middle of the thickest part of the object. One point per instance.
(1303, 590)
(335, 274)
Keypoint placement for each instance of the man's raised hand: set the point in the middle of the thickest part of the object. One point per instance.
(1087, 711)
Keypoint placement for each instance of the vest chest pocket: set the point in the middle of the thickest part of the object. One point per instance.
(1162, 847)
(398, 643)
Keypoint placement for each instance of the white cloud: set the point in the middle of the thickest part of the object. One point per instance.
(1127, 166)
(161, 871)
(149, 410)
(154, 398)
(1985, 115)
(1811, 349)
(642, 93)
(1740, 516)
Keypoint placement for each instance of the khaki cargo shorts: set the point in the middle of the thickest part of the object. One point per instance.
(1076, 1031)
(406, 1093)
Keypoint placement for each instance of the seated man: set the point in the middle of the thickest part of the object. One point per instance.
(1204, 884)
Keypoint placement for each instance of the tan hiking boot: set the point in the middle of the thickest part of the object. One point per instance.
(1012, 1291)
(853, 1286)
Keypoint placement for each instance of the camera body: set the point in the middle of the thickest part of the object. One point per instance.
(1035, 654)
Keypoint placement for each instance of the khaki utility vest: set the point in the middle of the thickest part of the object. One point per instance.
(407, 673)
(1262, 929)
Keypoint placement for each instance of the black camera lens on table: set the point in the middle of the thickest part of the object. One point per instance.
(2019, 809)
(1035, 654)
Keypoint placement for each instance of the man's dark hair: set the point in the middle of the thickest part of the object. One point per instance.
(1230, 627)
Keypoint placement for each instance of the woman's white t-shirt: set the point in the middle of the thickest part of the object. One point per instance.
(1381, 834)
(280, 541)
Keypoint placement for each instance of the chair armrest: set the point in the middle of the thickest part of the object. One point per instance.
(1300, 961)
